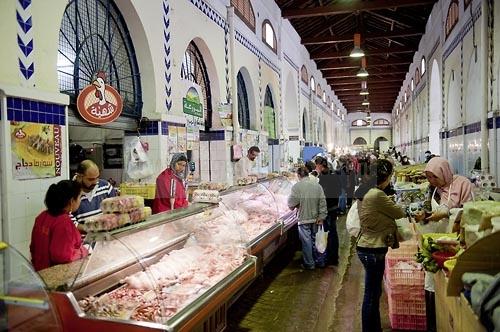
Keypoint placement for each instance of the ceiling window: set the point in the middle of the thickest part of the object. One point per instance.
(324, 97)
(303, 74)
(244, 10)
(381, 122)
(359, 123)
(268, 35)
(451, 18)
(94, 37)
(312, 83)
(422, 65)
(412, 85)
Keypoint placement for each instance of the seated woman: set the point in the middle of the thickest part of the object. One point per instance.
(54, 238)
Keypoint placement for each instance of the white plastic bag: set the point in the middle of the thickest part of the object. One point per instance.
(352, 221)
(321, 239)
(405, 230)
(138, 165)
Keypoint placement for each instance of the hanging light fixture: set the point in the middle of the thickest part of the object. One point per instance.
(357, 52)
(364, 89)
(368, 116)
(362, 71)
(365, 102)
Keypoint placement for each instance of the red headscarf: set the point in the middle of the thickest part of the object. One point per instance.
(457, 189)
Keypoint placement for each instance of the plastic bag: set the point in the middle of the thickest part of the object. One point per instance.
(138, 166)
(352, 221)
(321, 239)
(405, 230)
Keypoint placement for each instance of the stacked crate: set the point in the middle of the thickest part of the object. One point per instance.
(404, 285)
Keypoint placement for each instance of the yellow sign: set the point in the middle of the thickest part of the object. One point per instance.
(36, 150)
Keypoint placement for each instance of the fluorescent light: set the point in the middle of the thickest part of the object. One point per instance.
(357, 52)
(364, 92)
(362, 73)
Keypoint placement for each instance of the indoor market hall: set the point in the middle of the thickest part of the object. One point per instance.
(249, 165)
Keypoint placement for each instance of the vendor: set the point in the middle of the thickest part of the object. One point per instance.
(54, 238)
(95, 190)
(171, 186)
(244, 166)
(453, 190)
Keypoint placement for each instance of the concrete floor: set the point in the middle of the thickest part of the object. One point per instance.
(287, 298)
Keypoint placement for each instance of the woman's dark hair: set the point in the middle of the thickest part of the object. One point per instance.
(321, 161)
(60, 194)
(302, 172)
(384, 170)
(310, 166)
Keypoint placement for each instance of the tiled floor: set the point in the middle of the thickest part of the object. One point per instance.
(286, 298)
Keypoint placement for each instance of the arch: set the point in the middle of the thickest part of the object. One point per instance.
(359, 141)
(376, 143)
(324, 97)
(412, 85)
(269, 124)
(194, 69)
(268, 35)
(435, 109)
(318, 90)
(246, 100)
(359, 123)
(82, 52)
(244, 10)
(451, 17)
(303, 74)
(381, 122)
(417, 76)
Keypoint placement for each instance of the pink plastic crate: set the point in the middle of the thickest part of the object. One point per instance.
(397, 276)
(409, 303)
(408, 322)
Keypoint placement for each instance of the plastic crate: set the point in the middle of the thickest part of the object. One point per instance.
(408, 322)
(146, 191)
(404, 277)
(403, 253)
(406, 302)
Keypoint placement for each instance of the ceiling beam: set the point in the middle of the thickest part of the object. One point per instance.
(351, 6)
(349, 94)
(369, 82)
(323, 55)
(389, 87)
(352, 74)
(350, 38)
(349, 64)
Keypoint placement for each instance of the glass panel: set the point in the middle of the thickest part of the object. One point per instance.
(24, 303)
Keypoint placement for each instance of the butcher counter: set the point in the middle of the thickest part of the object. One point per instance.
(176, 271)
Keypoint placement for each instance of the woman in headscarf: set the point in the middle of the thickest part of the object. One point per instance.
(171, 186)
(453, 190)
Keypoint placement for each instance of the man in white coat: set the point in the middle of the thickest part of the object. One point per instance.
(244, 166)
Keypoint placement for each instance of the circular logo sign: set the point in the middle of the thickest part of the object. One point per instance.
(99, 103)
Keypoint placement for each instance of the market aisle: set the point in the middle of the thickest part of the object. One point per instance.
(287, 298)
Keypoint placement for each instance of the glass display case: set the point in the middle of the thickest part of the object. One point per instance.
(178, 270)
(24, 302)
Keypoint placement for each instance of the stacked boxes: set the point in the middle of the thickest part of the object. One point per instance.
(404, 285)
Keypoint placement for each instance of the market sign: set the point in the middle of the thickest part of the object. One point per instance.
(191, 103)
(99, 103)
(36, 150)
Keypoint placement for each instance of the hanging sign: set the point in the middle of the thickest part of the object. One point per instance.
(99, 103)
(191, 103)
(36, 150)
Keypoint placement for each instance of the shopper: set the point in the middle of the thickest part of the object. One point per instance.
(245, 166)
(377, 214)
(95, 190)
(311, 168)
(307, 196)
(171, 186)
(54, 238)
(330, 182)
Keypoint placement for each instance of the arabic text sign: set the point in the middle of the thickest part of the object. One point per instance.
(36, 150)
(192, 108)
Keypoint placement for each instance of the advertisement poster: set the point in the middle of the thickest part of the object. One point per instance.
(192, 137)
(172, 139)
(193, 108)
(36, 150)
(181, 139)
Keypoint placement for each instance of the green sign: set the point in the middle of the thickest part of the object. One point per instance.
(192, 108)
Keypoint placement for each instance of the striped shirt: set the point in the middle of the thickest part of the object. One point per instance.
(90, 204)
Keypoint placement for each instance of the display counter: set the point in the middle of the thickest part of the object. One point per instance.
(176, 271)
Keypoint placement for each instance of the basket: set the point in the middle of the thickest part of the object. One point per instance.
(146, 190)
(442, 256)
(408, 322)
(406, 252)
(409, 301)
(396, 276)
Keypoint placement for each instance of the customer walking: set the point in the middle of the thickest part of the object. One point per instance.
(307, 196)
(377, 214)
